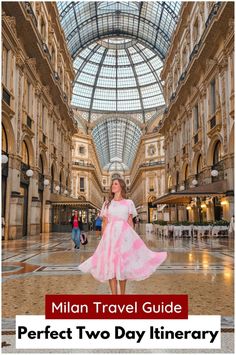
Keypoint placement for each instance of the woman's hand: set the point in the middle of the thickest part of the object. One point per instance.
(104, 224)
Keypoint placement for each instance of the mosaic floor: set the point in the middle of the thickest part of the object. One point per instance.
(47, 264)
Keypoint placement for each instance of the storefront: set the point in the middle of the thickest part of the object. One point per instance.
(204, 203)
(62, 212)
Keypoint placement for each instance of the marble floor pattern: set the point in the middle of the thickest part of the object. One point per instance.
(47, 264)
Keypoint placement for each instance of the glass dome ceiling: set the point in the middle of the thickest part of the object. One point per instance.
(117, 75)
(116, 141)
(118, 48)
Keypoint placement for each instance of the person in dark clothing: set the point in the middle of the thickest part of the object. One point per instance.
(77, 227)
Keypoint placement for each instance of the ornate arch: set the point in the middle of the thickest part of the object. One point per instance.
(195, 161)
(45, 162)
(30, 147)
(55, 170)
(183, 170)
(11, 141)
(211, 148)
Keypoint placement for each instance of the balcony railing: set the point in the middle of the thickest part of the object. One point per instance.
(30, 11)
(195, 50)
(213, 13)
(153, 163)
(46, 50)
(83, 164)
(6, 97)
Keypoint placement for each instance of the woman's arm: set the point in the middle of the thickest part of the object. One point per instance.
(104, 224)
(130, 220)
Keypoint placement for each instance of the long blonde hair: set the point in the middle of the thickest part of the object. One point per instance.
(111, 194)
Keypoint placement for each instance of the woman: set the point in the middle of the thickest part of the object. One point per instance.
(121, 254)
(76, 229)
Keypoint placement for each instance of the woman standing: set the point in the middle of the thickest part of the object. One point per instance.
(121, 254)
(76, 229)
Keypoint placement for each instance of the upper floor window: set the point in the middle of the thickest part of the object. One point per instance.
(82, 184)
(25, 153)
(151, 184)
(43, 29)
(186, 173)
(53, 57)
(43, 118)
(82, 150)
(41, 169)
(199, 164)
(195, 32)
(213, 97)
(216, 153)
(195, 119)
(184, 58)
(28, 97)
(5, 66)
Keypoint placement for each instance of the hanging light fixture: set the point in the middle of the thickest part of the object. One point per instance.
(57, 188)
(182, 188)
(194, 182)
(29, 173)
(46, 182)
(66, 192)
(214, 173)
(4, 158)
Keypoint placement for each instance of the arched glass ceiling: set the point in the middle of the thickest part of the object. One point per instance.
(118, 49)
(117, 75)
(116, 141)
(151, 22)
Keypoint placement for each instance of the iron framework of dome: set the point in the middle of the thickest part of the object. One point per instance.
(116, 141)
(115, 78)
(118, 49)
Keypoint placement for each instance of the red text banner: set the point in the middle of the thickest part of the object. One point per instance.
(116, 306)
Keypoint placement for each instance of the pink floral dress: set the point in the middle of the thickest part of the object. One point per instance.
(121, 253)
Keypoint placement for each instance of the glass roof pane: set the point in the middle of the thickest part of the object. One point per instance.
(113, 139)
(136, 19)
